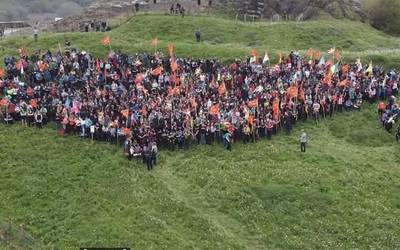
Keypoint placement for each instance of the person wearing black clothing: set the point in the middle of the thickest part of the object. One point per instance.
(148, 158)
(198, 35)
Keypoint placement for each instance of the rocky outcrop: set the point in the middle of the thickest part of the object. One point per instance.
(298, 9)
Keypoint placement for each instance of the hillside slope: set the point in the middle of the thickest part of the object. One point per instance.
(343, 193)
(228, 39)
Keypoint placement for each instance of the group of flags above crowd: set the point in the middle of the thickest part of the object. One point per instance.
(313, 55)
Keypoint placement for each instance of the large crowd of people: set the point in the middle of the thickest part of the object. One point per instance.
(144, 102)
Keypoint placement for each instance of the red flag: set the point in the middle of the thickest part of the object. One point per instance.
(2, 72)
(157, 71)
(154, 42)
(214, 109)
(105, 40)
(170, 49)
(222, 88)
(253, 103)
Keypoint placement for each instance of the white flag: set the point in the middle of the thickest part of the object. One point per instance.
(266, 58)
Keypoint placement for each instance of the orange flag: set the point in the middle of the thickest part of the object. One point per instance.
(29, 91)
(221, 88)
(310, 52)
(170, 49)
(19, 65)
(214, 110)
(337, 55)
(174, 65)
(139, 78)
(317, 55)
(253, 52)
(143, 110)
(2, 72)
(253, 103)
(193, 103)
(275, 106)
(97, 65)
(173, 91)
(154, 42)
(157, 71)
(328, 78)
(250, 119)
(126, 131)
(212, 82)
(280, 57)
(301, 93)
(106, 40)
(125, 113)
(33, 103)
(345, 68)
(292, 91)
(4, 102)
(22, 52)
(343, 83)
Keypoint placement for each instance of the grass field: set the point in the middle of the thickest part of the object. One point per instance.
(227, 39)
(343, 193)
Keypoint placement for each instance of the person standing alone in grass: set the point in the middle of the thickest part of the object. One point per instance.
(303, 141)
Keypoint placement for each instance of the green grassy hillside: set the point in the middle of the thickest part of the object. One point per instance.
(343, 193)
(227, 39)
